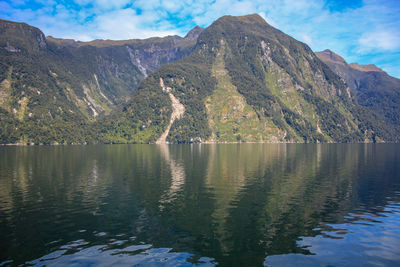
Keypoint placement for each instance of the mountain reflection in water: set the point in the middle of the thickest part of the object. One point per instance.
(226, 204)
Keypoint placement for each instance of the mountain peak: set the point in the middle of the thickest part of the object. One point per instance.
(194, 33)
(328, 55)
(17, 36)
(246, 25)
(252, 18)
(239, 80)
(368, 67)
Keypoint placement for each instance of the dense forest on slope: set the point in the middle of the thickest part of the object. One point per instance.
(272, 80)
(54, 90)
(376, 93)
(239, 80)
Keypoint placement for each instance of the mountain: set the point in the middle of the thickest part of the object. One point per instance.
(365, 68)
(377, 93)
(51, 90)
(239, 80)
(244, 81)
(194, 33)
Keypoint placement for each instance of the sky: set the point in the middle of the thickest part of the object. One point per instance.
(362, 31)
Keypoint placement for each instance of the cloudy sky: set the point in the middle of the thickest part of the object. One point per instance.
(363, 31)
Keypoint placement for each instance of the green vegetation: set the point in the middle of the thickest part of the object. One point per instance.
(55, 91)
(230, 117)
(260, 56)
(243, 81)
(377, 95)
(150, 108)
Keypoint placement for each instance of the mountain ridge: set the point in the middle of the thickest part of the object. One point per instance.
(288, 89)
(238, 80)
(51, 90)
(374, 90)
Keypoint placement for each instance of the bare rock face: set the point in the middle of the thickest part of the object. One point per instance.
(177, 112)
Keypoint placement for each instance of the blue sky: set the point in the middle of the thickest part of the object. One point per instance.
(363, 31)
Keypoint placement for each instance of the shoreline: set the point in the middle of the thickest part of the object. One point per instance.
(196, 143)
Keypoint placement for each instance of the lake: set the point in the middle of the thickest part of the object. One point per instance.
(201, 205)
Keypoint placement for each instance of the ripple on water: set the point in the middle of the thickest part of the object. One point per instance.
(364, 239)
(135, 255)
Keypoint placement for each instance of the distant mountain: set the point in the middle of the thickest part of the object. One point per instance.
(375, 91)
(365, 68)
(51, 89)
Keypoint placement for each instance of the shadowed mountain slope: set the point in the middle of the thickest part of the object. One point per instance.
(377, 93)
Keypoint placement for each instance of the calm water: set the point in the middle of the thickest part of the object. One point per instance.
(206, 205)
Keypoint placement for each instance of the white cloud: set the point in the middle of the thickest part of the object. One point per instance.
(305, 19)
(268, 20)
(384, 40)
(104, 4)
(128, 24)
(306, 39)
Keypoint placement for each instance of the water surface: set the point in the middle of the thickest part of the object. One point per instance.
(231, 205)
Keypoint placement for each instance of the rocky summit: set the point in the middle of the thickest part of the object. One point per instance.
(239, 80)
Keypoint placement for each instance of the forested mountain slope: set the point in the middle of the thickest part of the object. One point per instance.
(52, 89)
(244, 81)
(374, 90)
(239, 80)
